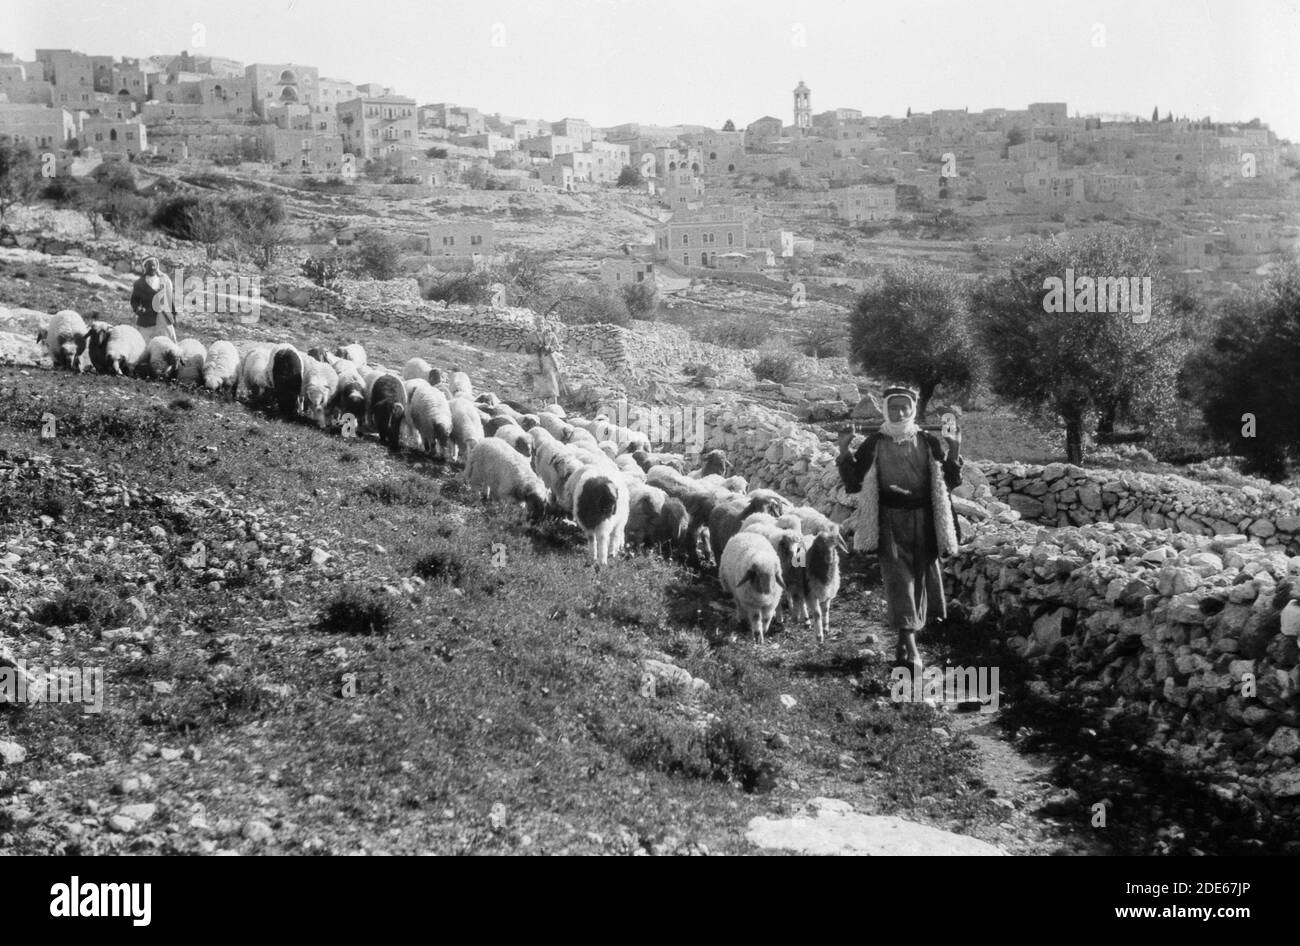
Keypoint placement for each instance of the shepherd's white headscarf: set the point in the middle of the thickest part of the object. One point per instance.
(903, 430)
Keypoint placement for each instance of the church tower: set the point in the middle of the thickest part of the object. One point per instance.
(802, 107)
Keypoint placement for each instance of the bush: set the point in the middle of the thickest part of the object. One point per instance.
(594, 304)
(1244, 375)
(325, 271)
(823, 341)
(775, 366)
(641, 299)
(461, 289)
(84, 602)
(377, 253)
(743, 335)
(729, 750)
(411, 491)
(356, 611)
(630, 177)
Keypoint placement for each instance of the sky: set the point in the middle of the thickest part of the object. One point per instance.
(704, 61)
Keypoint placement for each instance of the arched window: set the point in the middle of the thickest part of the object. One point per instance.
(288, 76)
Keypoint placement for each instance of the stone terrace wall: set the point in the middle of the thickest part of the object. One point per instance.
(1061, 494)
(1156, 623)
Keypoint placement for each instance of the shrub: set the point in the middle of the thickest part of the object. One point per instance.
(377, 253)
(823, 341)
(354, 610)
(411, 491)
(630, 177)
(84, 602)
(738, 334)
(588, 304)
(460, 289)
(727, 751)
(325, 271)
(775, 366)
(641, 299)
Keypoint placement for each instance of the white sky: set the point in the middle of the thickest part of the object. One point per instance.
(704, 61)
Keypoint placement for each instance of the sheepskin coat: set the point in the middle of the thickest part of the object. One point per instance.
(945, 474)
(905, 515)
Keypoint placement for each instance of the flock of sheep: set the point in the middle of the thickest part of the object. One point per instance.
(604, 477)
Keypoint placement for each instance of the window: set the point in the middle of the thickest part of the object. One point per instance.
(730, 238)
(475, 240)
(686, 259)
(686, 239)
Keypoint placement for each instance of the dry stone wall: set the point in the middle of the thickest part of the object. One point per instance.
(1062, 494)
(1196, 632)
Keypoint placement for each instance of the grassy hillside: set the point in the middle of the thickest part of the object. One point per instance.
(487, 709)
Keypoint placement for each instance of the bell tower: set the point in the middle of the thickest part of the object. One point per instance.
(802, 107)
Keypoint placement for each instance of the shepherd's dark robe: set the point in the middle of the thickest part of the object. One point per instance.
(907, 511)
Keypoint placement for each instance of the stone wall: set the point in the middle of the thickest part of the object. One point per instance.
(1187, 630)
(1061, 494)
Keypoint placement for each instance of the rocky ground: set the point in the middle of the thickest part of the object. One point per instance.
(296, 634)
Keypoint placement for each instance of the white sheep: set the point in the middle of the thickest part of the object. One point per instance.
(221, 368)
(429, 416)
(416, 368)
(822, 559)
(126, 350)
(555, 410)
(466, 426)
(461, 386)
(353, 353)
(320, 383)
(164, 358)
(63, 337)
(540, 435)
(600, 508)
(750, 571)
(737, 484)
(255, 374)
(811, 521)
(499, 472)
(792, 551)
(193, 356)
(631, 471)
(514, 435)
(553, 425)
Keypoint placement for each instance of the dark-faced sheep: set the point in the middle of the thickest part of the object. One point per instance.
(386, 409)
(95, 343)
(727, 516)
(750, 572)
(288, 369)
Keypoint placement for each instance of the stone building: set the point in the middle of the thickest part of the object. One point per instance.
(375, 127)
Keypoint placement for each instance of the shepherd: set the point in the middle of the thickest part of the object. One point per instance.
(153, 300)
(544, 346)
(902, 476)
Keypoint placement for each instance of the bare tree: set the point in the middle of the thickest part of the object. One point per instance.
(209, 224)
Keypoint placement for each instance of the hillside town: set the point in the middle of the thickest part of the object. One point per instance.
(772, 197)
(396, 476)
